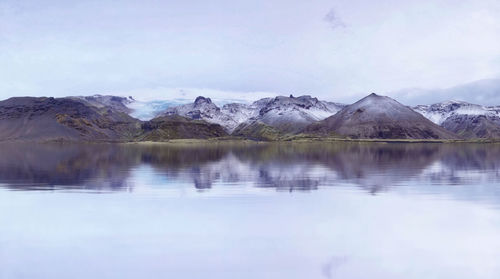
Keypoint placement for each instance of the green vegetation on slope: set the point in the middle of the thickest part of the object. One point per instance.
(178, 127)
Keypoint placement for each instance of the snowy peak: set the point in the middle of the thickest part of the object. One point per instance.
(306, 105)
(291, 114)
(305, 102)
(373, 107)
(374, 98)
(372, 95)
(200, 100)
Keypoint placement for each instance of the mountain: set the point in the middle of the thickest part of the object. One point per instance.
(40, 119)
(465, 119)
(178, 127)
(283, 114)
(379, 117)
(108, 118)
(291, 114)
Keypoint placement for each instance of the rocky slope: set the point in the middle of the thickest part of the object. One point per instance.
(30, 118)
(465, 119)
(379, 117)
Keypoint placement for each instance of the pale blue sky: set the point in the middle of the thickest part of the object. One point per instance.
(336, 50)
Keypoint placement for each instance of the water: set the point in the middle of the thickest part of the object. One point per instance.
(285, 210)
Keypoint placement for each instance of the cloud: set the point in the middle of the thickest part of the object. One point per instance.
(482, 92)
(334, 20)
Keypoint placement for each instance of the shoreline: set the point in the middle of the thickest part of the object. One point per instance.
(250, 141)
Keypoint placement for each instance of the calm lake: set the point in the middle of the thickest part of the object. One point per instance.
(242, 210)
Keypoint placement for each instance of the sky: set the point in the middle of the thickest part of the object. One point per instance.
(414, 51)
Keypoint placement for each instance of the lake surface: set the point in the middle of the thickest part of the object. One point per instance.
(289, 210)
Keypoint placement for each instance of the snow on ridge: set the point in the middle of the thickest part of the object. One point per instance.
(303, 109)
(440, 112)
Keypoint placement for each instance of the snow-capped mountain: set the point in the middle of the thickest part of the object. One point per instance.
(291, 114)
(465, 119)
(281, 111)
(379, 117)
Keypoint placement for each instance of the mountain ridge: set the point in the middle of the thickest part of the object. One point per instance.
(109, 118)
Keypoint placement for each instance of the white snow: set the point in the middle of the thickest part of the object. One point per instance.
(438, 113)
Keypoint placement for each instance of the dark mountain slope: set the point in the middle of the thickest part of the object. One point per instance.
(473, 126)
(45, 119)
(379, 117)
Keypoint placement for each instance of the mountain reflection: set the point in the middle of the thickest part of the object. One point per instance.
(284, 166)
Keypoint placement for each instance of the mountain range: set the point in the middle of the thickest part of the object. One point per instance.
(113, 118)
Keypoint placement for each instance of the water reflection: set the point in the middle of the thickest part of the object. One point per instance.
(284, 166)
(214, 209)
